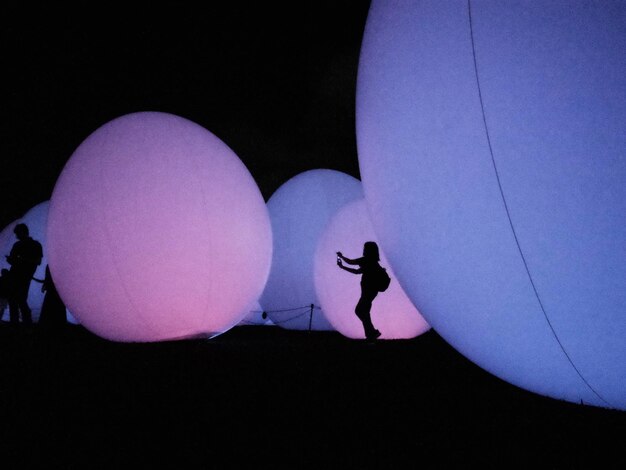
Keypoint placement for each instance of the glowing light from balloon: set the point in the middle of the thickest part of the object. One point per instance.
(157, 231)
(299, 210)
(392, 312)
(491, 147)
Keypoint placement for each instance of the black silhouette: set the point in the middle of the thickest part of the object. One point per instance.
(369, 269)
(53, 310)
(25, 256)
(4, 291)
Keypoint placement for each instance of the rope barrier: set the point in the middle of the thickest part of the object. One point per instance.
(279, 322)
(308, 310)
(288, 309)
(508, 213)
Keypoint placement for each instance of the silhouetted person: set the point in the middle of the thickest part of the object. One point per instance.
(368, 264)
(4, 291)
(53, 311)
(24, 258)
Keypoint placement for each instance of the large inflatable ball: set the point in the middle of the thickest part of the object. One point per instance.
(392, 312)
(299, 211)
(491, 141)
(157, 231)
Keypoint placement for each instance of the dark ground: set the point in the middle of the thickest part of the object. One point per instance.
(264, 396)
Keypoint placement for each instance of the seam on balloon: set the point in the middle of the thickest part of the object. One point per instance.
(107, 235)
(210, 250)
(508, 214)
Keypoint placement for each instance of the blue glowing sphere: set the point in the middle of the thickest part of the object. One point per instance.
(491, 141)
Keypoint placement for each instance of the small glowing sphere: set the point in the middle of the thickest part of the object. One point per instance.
(491, 141)
(157, 231)
(299, 211)
(392, 312)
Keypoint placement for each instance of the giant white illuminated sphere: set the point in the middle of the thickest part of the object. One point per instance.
(299, 210)
(338, 291)
(533, 291)
(157, 231)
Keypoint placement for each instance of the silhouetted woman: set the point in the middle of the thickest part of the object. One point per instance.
(53, 312)
(368, 264)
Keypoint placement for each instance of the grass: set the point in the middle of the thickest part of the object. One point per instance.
(264, 396)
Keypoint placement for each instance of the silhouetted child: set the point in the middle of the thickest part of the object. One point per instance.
(368, 266)
(4, 291)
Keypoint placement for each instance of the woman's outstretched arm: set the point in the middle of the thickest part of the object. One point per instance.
(350, 270)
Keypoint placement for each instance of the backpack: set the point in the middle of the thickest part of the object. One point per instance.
(382, 279)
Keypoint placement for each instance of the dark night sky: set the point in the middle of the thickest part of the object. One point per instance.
(276, 83)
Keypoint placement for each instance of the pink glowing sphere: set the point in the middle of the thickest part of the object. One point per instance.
(338, 291)
(157, 231)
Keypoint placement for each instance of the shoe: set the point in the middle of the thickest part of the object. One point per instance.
(375, 334)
